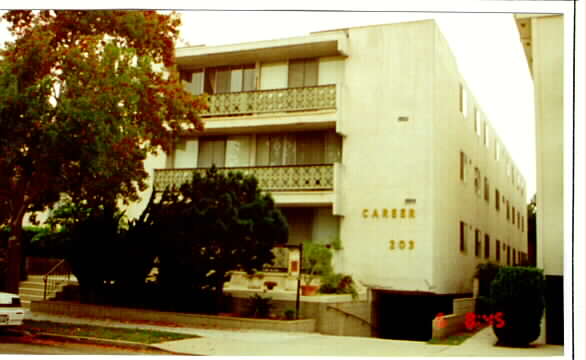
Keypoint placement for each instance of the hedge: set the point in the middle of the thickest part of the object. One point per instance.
(518, 293)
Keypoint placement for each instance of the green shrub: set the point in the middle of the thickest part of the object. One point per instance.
(259, 307)
(337, 284)
(317, 260)
(518, 293)
(289, 314)
(485, 273)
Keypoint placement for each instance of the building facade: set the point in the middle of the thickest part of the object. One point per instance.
(370, 136)
(542, 37)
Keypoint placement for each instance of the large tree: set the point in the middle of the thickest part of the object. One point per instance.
(82, 103)
(217, 223)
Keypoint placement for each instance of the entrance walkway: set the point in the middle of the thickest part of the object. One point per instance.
(224, 342)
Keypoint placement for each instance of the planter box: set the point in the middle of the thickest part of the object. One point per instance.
(118, 313)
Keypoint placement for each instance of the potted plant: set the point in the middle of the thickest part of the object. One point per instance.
(270, 284)
(255, 280)
(317, 261)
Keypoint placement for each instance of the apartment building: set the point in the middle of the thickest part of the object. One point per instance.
(371, 136)
(542, 37)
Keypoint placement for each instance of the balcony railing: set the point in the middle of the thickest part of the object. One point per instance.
(270, 178)
(269, 101)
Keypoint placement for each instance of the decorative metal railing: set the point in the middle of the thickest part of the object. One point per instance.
(59, 274)
(268, 101)
(270, 178)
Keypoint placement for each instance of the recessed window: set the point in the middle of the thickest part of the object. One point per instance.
(463, 101)
(303, 72)
(486, 133)
(477, 243)
(224, 79)
(497, 202)
(477, 180)
(486, 246)
(462, 236)
(463, 166)
(498, 250)
(486, 190)
(477, 122)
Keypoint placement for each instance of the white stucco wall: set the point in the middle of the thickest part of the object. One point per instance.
(547, 42)
(387, 75)
(455, 200)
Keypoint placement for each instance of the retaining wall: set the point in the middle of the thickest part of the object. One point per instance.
(118, 313)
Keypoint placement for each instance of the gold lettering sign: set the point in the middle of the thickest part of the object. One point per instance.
(388, 213)
(401, 244)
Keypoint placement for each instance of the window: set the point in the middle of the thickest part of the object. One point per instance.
(508, 211)
(218, 80)
(514, 257)
(498, 250)
(497, 200)
(462, 236)
(477, 180)
(233, 79)
(212, 151)
(304, 148)
(477, 122)
(463, 166)
(486, 189)
(513, 217)
(477, 243)
(192, 81)
(508, 255)
(463, 101)
(303, 72)
(486, 134)
(486, 246)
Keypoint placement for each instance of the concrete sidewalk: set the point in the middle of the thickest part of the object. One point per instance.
(238, 342)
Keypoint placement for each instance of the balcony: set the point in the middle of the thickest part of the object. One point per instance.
(310, 98)
(270, 178)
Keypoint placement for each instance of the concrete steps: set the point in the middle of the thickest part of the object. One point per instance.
(33, 289)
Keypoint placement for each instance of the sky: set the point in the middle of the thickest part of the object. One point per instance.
(486, 47)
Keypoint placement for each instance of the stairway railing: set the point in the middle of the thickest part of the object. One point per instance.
(59, 273)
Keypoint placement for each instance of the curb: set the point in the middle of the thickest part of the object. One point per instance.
(99, 341)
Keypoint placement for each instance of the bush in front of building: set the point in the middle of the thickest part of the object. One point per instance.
(111, 260)
(335, 283)
(518, 293)
(485, 274)
(317, 261)
(218, 223)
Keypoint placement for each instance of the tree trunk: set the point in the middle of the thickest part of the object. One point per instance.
(15, 251)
